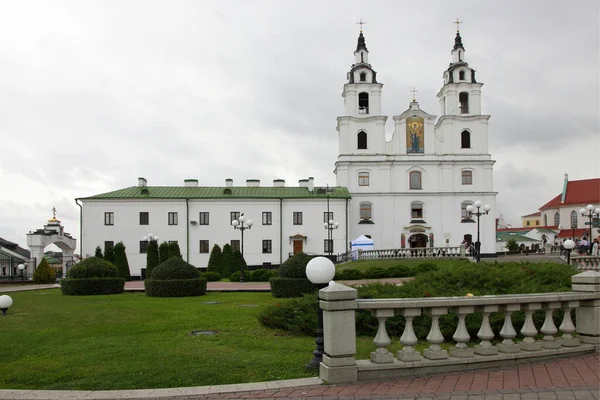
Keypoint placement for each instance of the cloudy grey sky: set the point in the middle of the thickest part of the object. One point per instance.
(94, 94)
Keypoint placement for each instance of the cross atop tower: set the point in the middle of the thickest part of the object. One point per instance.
(414, 91)
(54, 212)
(361, 23)
(457, 22)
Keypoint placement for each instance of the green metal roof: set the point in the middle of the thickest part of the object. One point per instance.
(236, 192)
(504, 236)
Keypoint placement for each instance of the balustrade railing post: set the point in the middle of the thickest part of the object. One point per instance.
(461, 335)
(485, 348)
(529, 330)
(508, 332)
(435, 337)
(566, 327)
(408, 338)
(382, 340)
(549, 328)
(588, 312)
(339, 334)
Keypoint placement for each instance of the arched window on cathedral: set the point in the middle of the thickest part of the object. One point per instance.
(461, 75)
(362, 140)
(363, 103)
(465, 140)
(365, 211)
(363, 179)
(415, 180)
(363, 77)
(416, 211)
(556, 219)
(573, 219)
(463, 98)
(467, 177)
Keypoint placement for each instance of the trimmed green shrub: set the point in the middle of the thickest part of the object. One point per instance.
(348, 275)
(215, 260)
(121, 261)
(425, 267)
(93, 286)
(175, 278)
(92, 276)
(152, 258)
(93, 267)
(227, 260)
(297, 316)
(375, 273)
(163, 252)
(235, 277)
(292, 281)
(109, 253)
(174, 250)
(399, 271)
(44, 273)
(260, 275)
(98, 252)
(238, 262)
(212, 276)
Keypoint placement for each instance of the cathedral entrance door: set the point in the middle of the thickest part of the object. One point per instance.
(418, 240)
(297, 246)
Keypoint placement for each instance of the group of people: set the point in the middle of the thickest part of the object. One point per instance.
(583, 246)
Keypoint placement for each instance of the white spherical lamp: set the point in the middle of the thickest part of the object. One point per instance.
(487, 208)
(235, 222)
(590, 207)
(470, 208)
(569, 244)
(320, 270)
(5, 303)
(242, 218)
(250, 223)
(477, 204)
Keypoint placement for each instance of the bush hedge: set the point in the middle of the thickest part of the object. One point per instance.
(491, 279)
(44, 273)
(297, 316)
(92, 276)
(92, 286)
(212, 276)
(288, 287)
(175, 278)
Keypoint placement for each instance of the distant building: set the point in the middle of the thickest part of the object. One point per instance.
(563, 210)
(11, 255)
(530, 220)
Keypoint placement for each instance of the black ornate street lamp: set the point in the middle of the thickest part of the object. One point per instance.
(478, 213)
(591, 215)
(320, 271)
(242, 224)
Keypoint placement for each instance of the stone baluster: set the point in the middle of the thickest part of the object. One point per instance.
(588, 311)
(549, 328)
(408, 338)
(508, 332)
(529, 330)
(461, 335)
(566, 327)
(485, 348)
(382, 340)
(435, 337)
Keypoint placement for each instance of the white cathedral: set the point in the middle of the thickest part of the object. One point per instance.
(411, 191)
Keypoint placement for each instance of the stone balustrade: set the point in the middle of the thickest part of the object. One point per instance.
(339, 304)
(586, 263)
(419, 252)
(553, 249)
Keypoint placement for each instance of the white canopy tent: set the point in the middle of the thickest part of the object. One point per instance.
(361, 243)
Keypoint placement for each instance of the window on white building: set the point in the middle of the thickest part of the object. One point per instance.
(467, 177)
(143, 246)
(463, 98)
(327, 216)
(415, 180)
(465, 140)
(363, 103)
(365, 211)
(144, 218)
(573, 219)
(235, 245)
(203, 218)
(416, 210)
(556, 219)
(173, 219)
(267, 246)
(363, 179)
(297, 218)
(109, 218)
(328, 246)
(361, 140)
(234, 215)
(267, 218)
(204, 246)
(464, 214)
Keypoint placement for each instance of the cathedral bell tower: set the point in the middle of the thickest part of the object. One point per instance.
(361, 131)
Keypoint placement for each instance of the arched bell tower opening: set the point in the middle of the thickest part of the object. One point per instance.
(52, 233)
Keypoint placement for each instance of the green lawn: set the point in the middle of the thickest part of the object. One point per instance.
(363, 265)
(131, 341)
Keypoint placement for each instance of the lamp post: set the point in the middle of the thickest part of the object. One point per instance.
(5, 303)
(330, 226)
(568, 245)
(150, 237)
(320, 271)
(478, 214)
(21, 267)
(242, 224)
(591, 214)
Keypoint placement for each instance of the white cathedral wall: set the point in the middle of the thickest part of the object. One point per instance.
(127, 229)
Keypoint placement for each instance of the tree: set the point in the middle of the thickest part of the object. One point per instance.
(174, 250)
(109, 252)
(98, 253)
(44, 273)
(121, 261)
(227, 260)
(238, 262)
(163, 251)
(215, 261)
(512, 245)
(152, 257)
